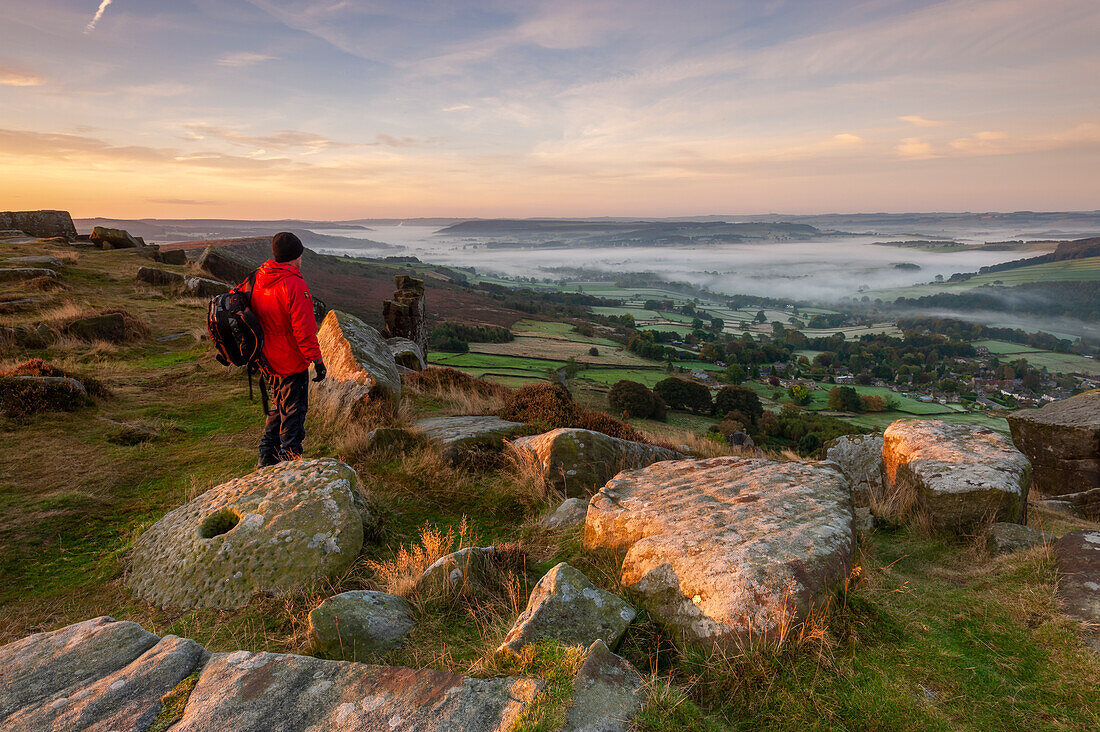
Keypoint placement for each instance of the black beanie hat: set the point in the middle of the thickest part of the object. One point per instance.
(286, 247)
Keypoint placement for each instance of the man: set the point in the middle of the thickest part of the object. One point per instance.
(284, 307)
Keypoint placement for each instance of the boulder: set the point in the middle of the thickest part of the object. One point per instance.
(460, 435)
(607, 693)
(202, 287)
(115, 238)
(107, 327)
(577, 461)
(404, 314)
(1067, 508)
(454, 569)
(275, 530)
(358, 624)
(35, 260)
(862, 519)
(361, 368)
(860, 459)
(13, 234)
(958, 475)
(221, 264)
(15, 274)
(108, 675)
(40, 224)
(729, 550)
(569, 514)
(260, 692)
(1002, 538)
(566, 607)
(172, 256)
(1077, 555)
(407, 354)
(160, 277)
(22, 395)
(1062, 440)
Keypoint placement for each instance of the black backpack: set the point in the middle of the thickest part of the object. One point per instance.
(236, 334)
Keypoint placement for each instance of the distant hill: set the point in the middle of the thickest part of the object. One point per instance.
(544, 232)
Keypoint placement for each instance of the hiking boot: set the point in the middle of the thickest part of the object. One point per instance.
(266, 460)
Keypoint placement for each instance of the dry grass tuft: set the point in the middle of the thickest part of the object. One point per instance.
(455, 392)
(551, 406)
(399, 574)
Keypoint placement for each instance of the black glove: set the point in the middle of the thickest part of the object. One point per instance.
(319, 371)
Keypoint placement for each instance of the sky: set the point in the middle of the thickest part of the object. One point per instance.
(342, 109)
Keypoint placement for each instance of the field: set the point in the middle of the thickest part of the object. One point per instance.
(1072, 270)
(1001, 348)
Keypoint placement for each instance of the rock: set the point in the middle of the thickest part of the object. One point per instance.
(115, 238)
(274, 530)
(1078, 557)
(452, 570)
(201, 287)
(862, 520)
(860, 459)
(576, 460)
(224, 265)
(36, 261)
(569, 514)
(729, 550)
(108, 675)
(404, 314)
(407, 354)
(40, 224)
(358, 624)
(1003, 538)
(566, 607)
(738, 438)
(21, 396)
(107, 327)
(160, 277)
(360, 366)
(392, 438)
(959, 475)
(607, 693)
(9, 234)
(460, 435)
(130, 434)
(15, 274)
(1062, 440)
(173, 256)
(261, 692)
(19, 335)
(1064, 507)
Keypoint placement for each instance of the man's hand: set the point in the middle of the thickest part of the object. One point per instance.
(319, 371)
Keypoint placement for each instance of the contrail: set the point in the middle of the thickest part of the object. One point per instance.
(98, 14)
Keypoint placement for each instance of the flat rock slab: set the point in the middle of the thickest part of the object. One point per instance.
(576, 461)
(108, 675)
(960, 475)
(224, 265)
(1062, 440)
(727, 550)
(274, 530)
(860, 459)
(358, 624)
(109, 238)
(35, 260)
(15, 274)
(157, 276)
(458, 435)
(1078, 557)
(360, 364)
(202, 287)
(106, 327)
(1002, 538)
(566, 607)
(607, 693)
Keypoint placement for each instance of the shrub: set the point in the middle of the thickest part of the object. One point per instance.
(593, 351)
(680, 393)
(799, 394)
(738, 399)
(20, 397)
(550, 405)
(873, 403)
(631, 399)
(38, 367)
(456, 337)
(845, 399)
(436, 379)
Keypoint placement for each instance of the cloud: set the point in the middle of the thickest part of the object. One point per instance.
(17, 77)
(456, 108)
(917, 120)
(244, 58)
(179, 202)
(278, 140)
(98, 14)
(914, 148)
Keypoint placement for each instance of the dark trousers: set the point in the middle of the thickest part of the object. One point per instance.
(286, 425)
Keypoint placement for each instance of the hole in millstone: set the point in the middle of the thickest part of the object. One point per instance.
(218, 523)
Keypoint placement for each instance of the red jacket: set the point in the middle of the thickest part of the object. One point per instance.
(284, 307)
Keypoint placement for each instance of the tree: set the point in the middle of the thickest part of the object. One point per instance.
(717, 324)
(760, 317)
(735, 373)
(738, 399)
(845, 399)
(631, 399)
(593, 351)
(799, 394)
(680, 393)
